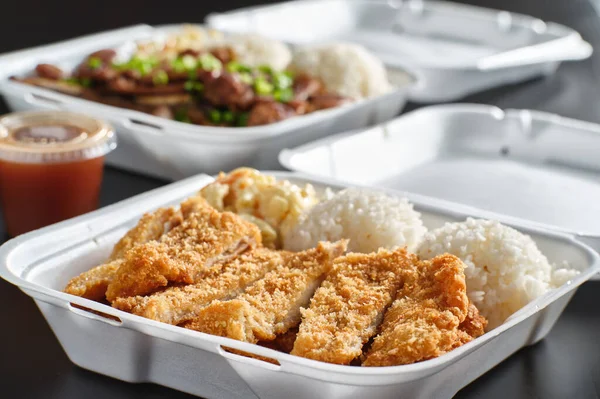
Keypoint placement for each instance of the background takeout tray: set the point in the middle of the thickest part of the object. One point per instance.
(455, 49)
(135, 349)
(170, 149)
(527, 164)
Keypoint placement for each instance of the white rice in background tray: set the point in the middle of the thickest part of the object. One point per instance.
(505, 269)
(255, 50)
(344, 68)
(370, 220)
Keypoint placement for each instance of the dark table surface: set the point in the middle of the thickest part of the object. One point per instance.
(564, 365)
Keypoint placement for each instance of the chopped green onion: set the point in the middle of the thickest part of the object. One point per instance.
(189, 62)
(242, 119)
(143, 65)
(192, 75)
(85, 82)
(94, 62)
(246, 78)
(283, 95)
(145, 68)
(282, 80)
(261, 86)
(209, 62)
(227, 116)
(214, 115)
(185, 63)
(182, 116)
(177, 65)
(160, 78)
(190, 85)
(234, 66)
(72, 81)
(266, 69)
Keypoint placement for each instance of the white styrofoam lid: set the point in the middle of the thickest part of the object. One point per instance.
(533, 166)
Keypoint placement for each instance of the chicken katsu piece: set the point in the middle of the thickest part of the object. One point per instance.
(224, 280)
(93, 283)
(205, 237)
(423, 322)
(473, 326)
(150, 227)
(271, 306)
(348, 307)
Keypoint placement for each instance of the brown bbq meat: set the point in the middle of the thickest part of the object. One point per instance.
(304, 87)
(102, 73)
(164, 99)
(227, 90)
(122, 85)
(299, 107)
(106, 55)
(192, 52)
(56, 85)
(197, 116)
(49, 71)
(266, 112)
(223, 54)
(325, 101)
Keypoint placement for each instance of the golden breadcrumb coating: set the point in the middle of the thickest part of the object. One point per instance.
(423, 321)
(473, 326)
(92, 284)
(271, 306)
(349, 305)
(150, 227)
(206, 236)
(223, 280)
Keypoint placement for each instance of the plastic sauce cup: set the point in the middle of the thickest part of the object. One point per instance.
(51, 167)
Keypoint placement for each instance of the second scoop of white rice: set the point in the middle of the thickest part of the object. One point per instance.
(344, 68)
(370, 220)
(504, 271)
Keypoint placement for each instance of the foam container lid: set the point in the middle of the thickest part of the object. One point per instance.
(455, 49)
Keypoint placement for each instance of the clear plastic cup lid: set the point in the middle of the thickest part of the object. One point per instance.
(53, 137)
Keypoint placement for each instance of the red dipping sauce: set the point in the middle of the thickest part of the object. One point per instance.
(51, 166)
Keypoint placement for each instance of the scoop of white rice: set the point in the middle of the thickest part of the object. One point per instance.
(370, 220)
(255, 50)
(505, 269)
(344, 68)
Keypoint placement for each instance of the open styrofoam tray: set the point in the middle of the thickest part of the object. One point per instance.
(152, 145)
(527, 164)
(135, 349)
(455, 49)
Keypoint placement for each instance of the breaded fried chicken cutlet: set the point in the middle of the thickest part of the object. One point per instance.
(149, 228)
(204, 238)
(348, 307)
(224, 280)
(93, 283)
(473, 326)
(271, 306)
(423, 322)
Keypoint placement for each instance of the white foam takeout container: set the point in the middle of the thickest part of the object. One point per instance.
(526, 164)
(455, 49)
(157, 146)
(135, 349)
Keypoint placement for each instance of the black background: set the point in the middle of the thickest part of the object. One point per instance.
(564, 365)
